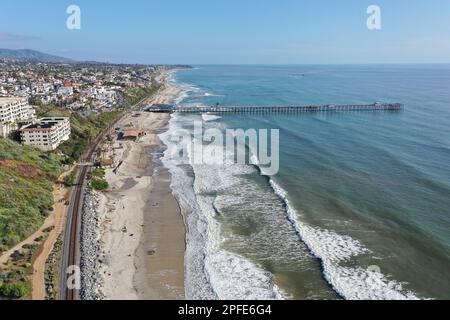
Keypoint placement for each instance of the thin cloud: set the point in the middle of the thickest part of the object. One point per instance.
(15, 38)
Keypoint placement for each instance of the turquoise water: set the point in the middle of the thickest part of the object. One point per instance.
(360, 208)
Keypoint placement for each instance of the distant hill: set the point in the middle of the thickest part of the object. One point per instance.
(32, 55)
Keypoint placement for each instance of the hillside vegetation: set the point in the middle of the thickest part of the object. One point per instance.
(32, 55)
(27, 174)
(26, 178)
(135, 95)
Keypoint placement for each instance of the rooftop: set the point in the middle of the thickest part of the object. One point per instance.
(39, 125)
(8, 100)
(43, 124)
(133, 133)
(56, 119)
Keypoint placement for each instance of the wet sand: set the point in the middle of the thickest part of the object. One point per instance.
(160, 256)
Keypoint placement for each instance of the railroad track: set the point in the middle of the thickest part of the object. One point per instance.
(71, 248)
(71, 241)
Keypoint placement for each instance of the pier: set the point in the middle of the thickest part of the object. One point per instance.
(274, 109)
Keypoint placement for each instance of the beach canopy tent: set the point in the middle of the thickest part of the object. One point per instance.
(132, 134)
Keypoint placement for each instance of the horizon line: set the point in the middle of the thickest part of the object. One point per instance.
(76, 60)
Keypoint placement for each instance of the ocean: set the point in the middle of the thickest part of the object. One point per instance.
(360, 208)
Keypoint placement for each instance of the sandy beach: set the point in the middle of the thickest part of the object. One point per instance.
(141, 239)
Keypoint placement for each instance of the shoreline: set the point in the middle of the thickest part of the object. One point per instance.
(141, 233)
(159, 263)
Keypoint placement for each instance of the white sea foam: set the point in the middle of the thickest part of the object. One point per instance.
(186, 89)
(232, 276)
(183, 95)
(207, 94)
(235, 278)
(210, 117)
(211, 271)
(352, 283)
(197, 283)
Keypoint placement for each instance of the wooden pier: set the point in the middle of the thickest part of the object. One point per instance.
(275, 109)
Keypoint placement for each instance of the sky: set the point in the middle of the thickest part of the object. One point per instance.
(231, 31)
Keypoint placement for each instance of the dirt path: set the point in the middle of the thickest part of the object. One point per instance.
(57, 220)
(30, 240)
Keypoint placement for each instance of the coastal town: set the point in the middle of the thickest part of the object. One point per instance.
(54, 117)
(82, 87)
(86, 89)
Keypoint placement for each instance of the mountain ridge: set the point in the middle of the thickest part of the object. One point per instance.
(32, 55)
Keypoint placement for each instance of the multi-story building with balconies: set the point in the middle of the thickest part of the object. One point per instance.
(14, 111)
(47, 133)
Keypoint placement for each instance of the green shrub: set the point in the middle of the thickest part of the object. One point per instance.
(97, 173)
(14, 291)
(69, 180)
(99, 184)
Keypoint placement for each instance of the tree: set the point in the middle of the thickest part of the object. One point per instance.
(13, 291)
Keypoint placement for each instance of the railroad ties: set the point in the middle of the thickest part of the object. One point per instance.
(275, 109)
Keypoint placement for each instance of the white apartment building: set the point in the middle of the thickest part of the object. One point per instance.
(13, 111)
(47, 133)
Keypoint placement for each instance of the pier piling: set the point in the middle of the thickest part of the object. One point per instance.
(275, 109)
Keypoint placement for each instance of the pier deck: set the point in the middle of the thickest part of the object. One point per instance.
(274, 109)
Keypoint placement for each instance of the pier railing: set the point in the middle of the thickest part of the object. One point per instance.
(275, 109)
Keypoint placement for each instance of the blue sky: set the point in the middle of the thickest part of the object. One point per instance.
(232, 31)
